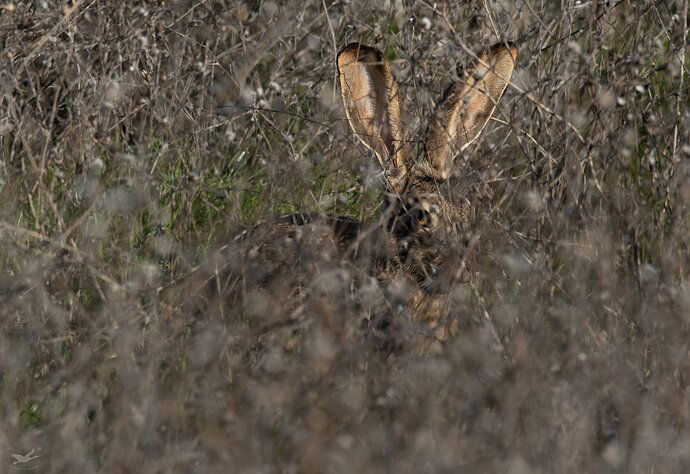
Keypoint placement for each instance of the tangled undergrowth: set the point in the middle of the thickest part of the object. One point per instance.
(137, 138)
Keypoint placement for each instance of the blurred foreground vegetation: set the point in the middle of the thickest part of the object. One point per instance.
(138, 137)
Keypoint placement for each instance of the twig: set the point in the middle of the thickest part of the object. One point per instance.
(681, 103)
(335, 45)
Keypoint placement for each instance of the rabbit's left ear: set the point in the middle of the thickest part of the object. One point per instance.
(466, 108)
(372, 105)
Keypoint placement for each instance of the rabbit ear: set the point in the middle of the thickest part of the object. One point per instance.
(466, 108)
(372, 105)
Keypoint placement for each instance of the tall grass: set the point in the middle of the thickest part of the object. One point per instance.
(137, 138)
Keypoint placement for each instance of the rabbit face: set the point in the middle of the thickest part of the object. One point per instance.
(424, 223)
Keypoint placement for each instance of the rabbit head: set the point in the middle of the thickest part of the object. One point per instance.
(421, 212)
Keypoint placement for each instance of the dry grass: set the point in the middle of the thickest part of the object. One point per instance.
(137, 137)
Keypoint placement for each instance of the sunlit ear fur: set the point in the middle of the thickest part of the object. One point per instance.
(372, 105)
(466, 108)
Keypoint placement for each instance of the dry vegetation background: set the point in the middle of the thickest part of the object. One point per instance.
(137, 137)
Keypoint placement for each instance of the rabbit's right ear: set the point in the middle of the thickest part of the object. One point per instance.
(372, 105)
(467, 107)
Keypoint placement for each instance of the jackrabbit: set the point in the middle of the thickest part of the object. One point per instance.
(421, 215)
